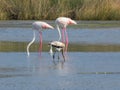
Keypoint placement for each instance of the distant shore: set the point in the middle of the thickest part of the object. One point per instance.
(80, 23)
(51, 9)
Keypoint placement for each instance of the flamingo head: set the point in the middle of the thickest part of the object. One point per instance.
(71, 22)
(39, 25)
(64, 21)
(47, 26)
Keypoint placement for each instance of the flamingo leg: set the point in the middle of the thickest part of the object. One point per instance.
(40, 44)
(66, 40)
(63, 36)
(58, 56)
(54, 55)
(63, 55)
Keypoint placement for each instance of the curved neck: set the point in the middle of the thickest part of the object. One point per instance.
(59, 32)
(28, 46)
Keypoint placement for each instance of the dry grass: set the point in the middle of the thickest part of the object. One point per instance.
(100, 10)
(51, 9)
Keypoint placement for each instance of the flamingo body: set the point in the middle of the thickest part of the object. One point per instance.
(64, 21)
(39, 25)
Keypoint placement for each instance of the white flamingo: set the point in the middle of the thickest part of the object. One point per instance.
(62, 23)
(39, 26)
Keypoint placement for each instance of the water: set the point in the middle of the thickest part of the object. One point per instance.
(96, 68)
(87, 36)
(82, 71)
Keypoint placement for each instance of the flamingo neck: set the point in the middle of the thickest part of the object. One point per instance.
(59, 32)
(28, 46)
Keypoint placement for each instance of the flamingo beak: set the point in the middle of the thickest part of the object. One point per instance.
(47, 26)
(72, 22)
(50, 27)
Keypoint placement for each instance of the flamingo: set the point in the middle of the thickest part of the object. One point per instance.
(62, 23)
(39, 26)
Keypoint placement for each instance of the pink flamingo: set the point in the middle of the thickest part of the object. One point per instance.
(62, 23)
(39, 26)
(58, 46)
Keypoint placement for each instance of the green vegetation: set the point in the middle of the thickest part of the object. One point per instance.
(7, 46)
(51, 9)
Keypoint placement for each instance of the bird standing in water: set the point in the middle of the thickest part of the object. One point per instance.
(57, 46)
(62, 23)
(39, 26)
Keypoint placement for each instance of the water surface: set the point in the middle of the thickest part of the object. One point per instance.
(93, 59)
(81, 71)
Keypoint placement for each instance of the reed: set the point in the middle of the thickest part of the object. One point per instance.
(100, 10)
(51, 9)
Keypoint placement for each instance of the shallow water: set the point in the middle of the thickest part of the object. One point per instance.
(93, 60)
(80, 71)
(85, 36)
